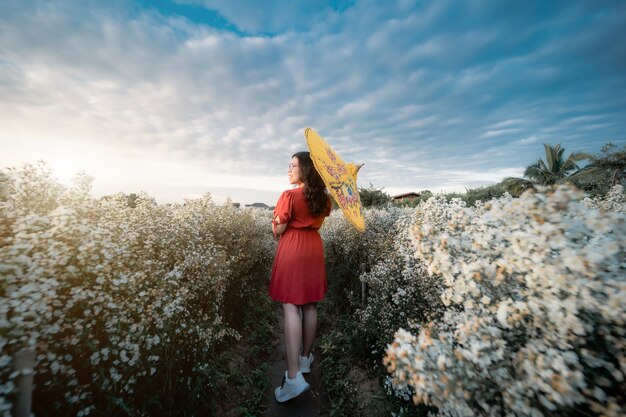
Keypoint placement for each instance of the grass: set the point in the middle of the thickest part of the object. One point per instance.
(245, 374)
(353, 381)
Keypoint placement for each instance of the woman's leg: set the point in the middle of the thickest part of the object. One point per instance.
(293, 337)
(309, 327)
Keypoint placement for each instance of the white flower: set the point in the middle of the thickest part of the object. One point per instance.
(503, 311)
(441, 363)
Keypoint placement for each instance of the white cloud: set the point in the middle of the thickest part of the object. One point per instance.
(506, 123)
(528, 140)
(500, 132)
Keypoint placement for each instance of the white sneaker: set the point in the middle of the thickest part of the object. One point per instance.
(291, 388)
(305, 363)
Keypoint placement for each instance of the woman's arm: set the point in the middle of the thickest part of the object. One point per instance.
(279, 228)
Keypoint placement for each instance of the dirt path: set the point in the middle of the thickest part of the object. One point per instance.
(312, 403)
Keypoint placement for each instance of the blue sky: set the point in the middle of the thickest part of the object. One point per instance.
(182, 97)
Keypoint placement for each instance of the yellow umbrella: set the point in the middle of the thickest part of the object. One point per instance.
(339, 177)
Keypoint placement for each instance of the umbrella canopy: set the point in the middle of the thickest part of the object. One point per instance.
(339, 177)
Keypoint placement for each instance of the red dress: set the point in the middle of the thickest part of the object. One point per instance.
(299, 271)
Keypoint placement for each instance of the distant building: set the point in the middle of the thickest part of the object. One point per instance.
(405, 197)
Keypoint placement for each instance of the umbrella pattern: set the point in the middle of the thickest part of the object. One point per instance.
(339, 177)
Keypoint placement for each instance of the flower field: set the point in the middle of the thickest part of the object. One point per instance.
(510, 307)
(129, 305)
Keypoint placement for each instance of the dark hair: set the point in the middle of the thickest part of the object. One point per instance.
(314, 187)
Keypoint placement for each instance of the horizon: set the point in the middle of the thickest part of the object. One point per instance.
(223, 198)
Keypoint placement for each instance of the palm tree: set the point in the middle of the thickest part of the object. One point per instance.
(605, 170)
(554, 170)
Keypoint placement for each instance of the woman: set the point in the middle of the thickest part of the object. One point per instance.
(299, 272)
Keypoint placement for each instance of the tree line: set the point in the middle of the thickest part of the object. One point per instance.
(603, 171)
